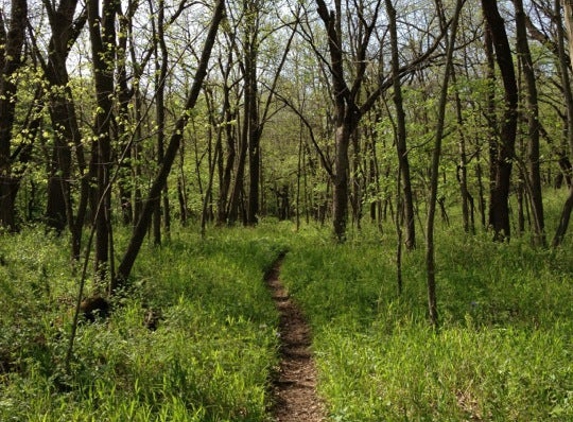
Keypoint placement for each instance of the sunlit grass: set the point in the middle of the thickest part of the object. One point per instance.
(503, 352)
(210, 359)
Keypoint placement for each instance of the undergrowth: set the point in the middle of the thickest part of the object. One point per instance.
(209, 359)
(503, 352)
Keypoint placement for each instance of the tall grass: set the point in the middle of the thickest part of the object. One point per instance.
(503, 352)
(210, 358)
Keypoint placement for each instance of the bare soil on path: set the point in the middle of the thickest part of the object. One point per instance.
(294, 387)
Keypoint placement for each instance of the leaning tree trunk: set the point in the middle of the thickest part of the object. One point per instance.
(143, 223)
(533, 181)
(502, 166)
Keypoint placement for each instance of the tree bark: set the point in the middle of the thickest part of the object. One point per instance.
(11, 44)
(533, 174)
(142, 225)
(401, 147)
(566, 82)
(502, 165)
(102, 37)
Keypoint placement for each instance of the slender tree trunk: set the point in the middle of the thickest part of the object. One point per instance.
(462, 170)
(566, 82)
(236, 193)
(142, 225)
(404, 164)
(124, 134)
(161, 68)
(430, 247)
(226, 169)
(251, 112)
(481, 189)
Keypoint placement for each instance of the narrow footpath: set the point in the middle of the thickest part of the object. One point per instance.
(294, 388)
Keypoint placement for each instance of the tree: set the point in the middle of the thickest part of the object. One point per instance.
(430, 248)
(11, 43)
(161, 70)
(348, 76)
(103, 40)
(65, 28)
(565, 75)
(401, 146)
(347, 112)
(158, 185)
(505, 149)
(533, 173)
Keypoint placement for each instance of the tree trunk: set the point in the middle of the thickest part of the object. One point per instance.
(403, 162)
(59, 210)
(11, 44)
(142, 225)
(566, 82)
(346, 115)
(236, 193)
(102, 36)
(340, 181)
(226, 167)
(462, 169)
(440, 126)
(124, 134)
(533, 165)
(502, 165)
(161, 69)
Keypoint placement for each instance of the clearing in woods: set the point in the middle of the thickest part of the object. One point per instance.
(294, 387)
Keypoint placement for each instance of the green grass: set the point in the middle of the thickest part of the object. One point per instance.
(503, 352)
(209, 360)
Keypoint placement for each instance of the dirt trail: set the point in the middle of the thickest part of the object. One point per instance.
(295, 385)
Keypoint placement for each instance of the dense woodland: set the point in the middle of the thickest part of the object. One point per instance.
(142, 113)
(124, 122)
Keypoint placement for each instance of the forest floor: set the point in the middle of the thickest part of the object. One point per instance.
(294, 387)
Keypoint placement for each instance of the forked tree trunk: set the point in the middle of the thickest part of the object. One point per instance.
(59, 210)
